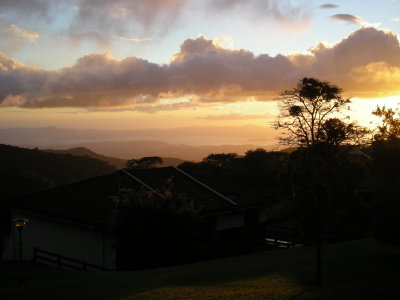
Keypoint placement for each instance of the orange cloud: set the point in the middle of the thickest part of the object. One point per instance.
(365, 64)
(124, 38)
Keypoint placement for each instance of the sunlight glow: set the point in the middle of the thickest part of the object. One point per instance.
(361, 109)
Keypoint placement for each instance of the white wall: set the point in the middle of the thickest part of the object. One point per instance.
(90, 245)
(230, 221)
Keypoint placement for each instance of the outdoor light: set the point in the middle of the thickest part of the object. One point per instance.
(20, 224)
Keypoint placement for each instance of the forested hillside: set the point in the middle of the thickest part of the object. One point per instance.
(26, 170)
(81, 151)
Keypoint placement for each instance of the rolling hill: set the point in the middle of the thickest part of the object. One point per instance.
(29, 170)
(117, 162)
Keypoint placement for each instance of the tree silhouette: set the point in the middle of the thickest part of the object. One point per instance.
(220, 159)
(307, 114)
(309, 119)
(390, 125)
(146, 162)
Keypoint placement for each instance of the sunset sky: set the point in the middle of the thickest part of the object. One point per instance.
(133, 64)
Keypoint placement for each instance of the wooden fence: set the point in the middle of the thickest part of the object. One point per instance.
(282, 236)
(61, 261)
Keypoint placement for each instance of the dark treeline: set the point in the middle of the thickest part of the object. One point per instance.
(258, 174)
(357, 188)
(285, 182)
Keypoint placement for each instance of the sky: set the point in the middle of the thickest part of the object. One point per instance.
(135, 64)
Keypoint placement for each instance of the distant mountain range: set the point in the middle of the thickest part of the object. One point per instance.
(138, 149)
(117, 162)
(186, 143)
(196, 135)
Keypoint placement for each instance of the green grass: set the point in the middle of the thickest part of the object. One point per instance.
(360, 269)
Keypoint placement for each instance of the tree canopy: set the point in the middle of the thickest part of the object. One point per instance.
(309, 115)
(146, 162)
(389, 129)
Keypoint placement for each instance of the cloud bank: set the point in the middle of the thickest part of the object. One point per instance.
(365, 64)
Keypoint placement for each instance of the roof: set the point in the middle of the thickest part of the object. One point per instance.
(205, 198)
(86, 202)
(89, 202)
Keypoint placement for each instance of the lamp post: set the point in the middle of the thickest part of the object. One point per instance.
(20, 224)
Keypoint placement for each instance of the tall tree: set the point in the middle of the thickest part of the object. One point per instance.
(309, 119)
(308, 114)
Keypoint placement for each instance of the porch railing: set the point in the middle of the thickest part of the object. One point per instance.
(61, 261)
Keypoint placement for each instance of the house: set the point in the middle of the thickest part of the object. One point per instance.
(76, 222)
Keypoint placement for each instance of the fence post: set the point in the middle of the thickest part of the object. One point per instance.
(35, 259)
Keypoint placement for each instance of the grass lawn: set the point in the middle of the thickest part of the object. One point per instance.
(362, 269)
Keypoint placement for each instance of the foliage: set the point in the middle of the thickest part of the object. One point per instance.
(335, 132)
(390, 126)
(307, 115)
(258, 174)
(220, 159)
(322, 182)
(29, 170)
(320, 177)
(144, 163)
(385, 153)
